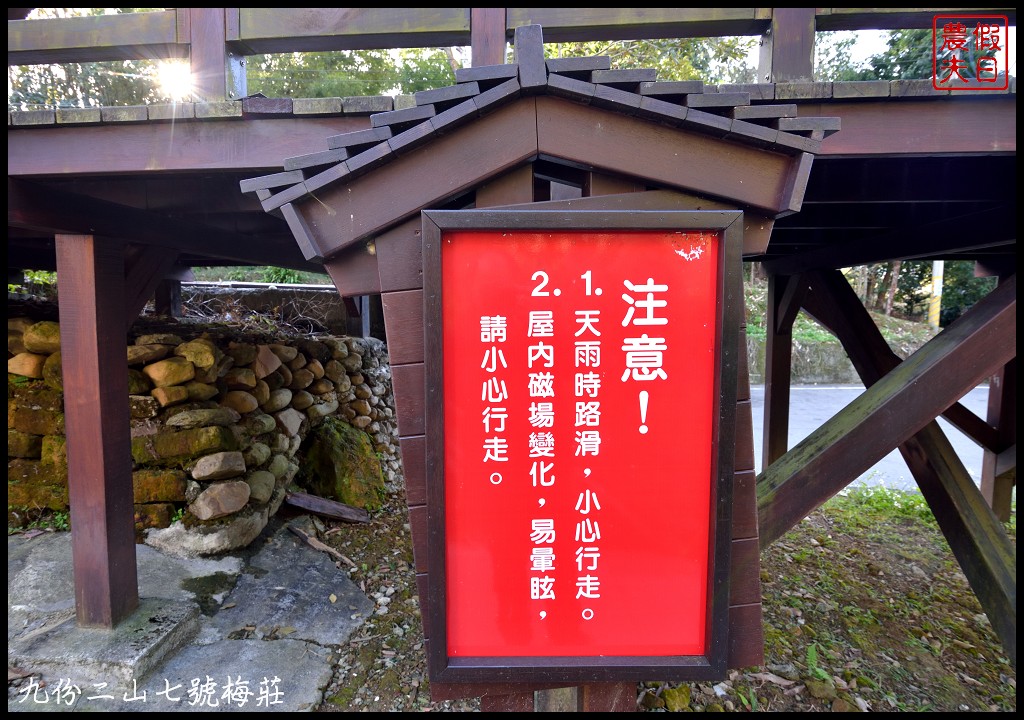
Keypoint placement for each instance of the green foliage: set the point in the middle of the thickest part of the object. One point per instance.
(346, 73)
(52, 521)
(281, 275)
(907, 57)
(93, 84)
(882, 503)
(960, 289)
(713, 60)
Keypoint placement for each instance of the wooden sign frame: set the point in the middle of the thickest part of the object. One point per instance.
(710, 661)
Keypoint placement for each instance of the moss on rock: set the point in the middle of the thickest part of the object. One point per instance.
(339, 463)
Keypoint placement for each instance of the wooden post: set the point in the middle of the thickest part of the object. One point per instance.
(784, 292)
(999, 469)
(487, 36)
(90, 274)
(787, 49)
(209, 57)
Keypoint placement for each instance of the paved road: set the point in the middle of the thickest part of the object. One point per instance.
(812, 405)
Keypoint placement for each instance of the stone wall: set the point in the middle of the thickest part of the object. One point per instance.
(218, 419)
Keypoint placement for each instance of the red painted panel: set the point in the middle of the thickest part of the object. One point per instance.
(579, 396)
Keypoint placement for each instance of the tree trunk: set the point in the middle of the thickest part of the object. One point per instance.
(894, 279)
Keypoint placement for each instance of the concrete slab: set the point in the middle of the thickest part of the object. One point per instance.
(249, 632)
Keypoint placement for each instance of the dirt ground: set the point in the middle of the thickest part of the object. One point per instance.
(864, 610)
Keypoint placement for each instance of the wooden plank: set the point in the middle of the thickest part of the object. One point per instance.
(327, 507)
(521, 701)
(529, 55)
(91, 302)
(784, 296)
(746, 636)
(582, 24)
(512, 188)
(400, 257)
(147, 148)
(888, 413)
(145, 268)
(414, 468)
(607, 697)
(487, 36)
(409, 398)
(888, 127)
(32, 206)
(744, 448)
(420, 538)
(997, 482)
(888, 18)
(269, 30)
(403, 314)
(687, 161)
(744, 500)
(100, 38)
(423, 178)
(744, 572)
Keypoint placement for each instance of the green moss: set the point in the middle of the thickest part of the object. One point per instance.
(169, 448)
(340, 464)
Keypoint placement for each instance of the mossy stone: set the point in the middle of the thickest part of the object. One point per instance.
(340, 464)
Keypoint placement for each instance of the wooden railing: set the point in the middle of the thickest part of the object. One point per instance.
(217, 40)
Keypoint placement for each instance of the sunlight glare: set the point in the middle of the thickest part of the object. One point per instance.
(175, 79)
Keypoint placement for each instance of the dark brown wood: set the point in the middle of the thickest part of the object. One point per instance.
(208, 54)
(420, 538)
(90, 274)
(145, 269)
(512, 188)
(528, 46)
(409, 398)
(400, 260)
(783, 305)
(787, 49)
(746, 636)
(327, 507)
(487, 36)
(888, 413)
(101, 38)
(745, 580)
(513, 702)
(167, 298)
(354, 271)
(32, 206)
(414, 468)
(744, 498)
(887, 18)
(500, 140)
(270, 30)
(999, 467)
(570, 133)
(403, 313)
(572, 24)
(607, 697)
(210, 145)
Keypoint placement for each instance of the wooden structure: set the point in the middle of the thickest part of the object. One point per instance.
(114, 198)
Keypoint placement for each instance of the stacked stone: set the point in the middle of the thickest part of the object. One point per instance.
(216, 424)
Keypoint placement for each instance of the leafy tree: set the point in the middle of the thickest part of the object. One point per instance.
(714, 60)
(960, 289)
(347, 73)
(95, 84)
(908, 56)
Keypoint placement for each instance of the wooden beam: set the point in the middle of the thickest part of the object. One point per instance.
(148, 148)
(50, 211)
(145, 268)
(487, 33)
(269, 30)
(90, 273)
(891, 18)
(948, 488)
(128, 36)
(785, 293)
(999, 464)
(907, 243)
(581, 24)
(888, 413)
(896, 127)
